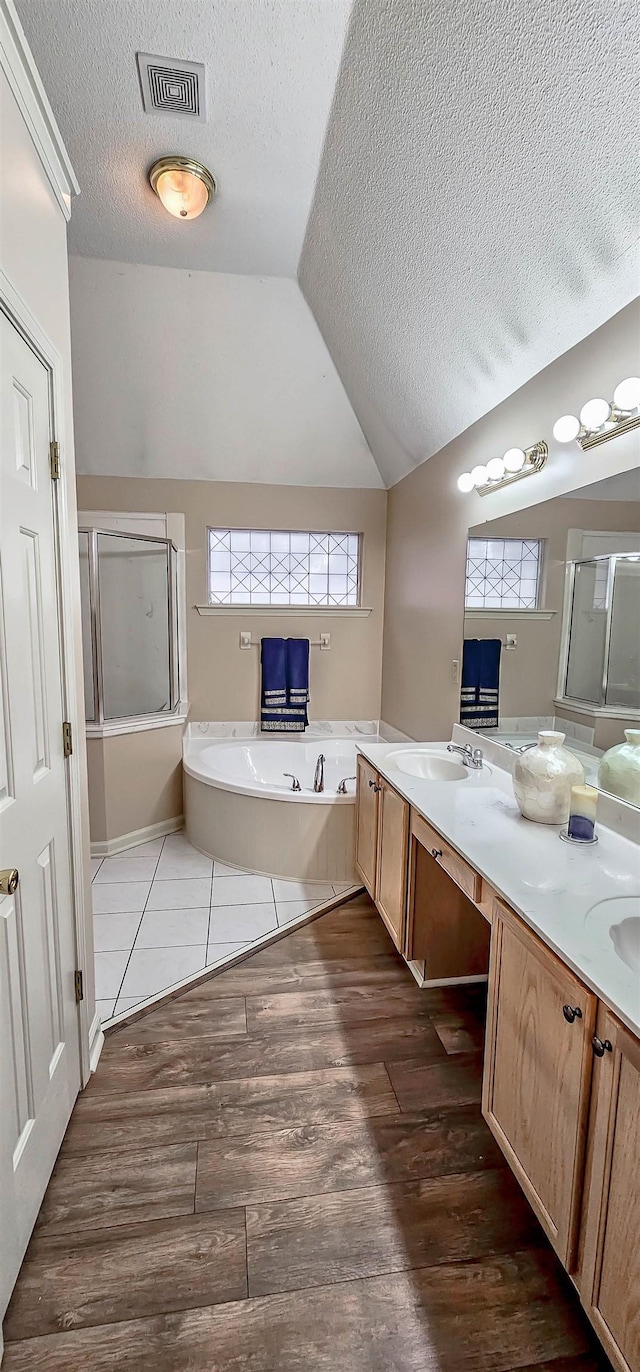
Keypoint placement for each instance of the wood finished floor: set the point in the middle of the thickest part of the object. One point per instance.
(287, 1170)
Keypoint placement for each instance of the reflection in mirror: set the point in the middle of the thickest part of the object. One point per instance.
(552, 628)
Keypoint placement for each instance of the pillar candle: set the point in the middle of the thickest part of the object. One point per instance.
(582, 813)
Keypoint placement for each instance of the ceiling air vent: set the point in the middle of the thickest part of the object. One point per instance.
(171, 86)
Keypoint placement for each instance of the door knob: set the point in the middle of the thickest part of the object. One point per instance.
(571, 1012)
(9, 878)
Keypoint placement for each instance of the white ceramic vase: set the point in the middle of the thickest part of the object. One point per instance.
(619, 770)
(543, 778)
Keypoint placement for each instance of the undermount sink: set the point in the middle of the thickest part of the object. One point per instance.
(624, 927)
(430, 766)
(625, 937)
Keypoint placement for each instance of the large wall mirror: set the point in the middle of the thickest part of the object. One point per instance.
(552, 627)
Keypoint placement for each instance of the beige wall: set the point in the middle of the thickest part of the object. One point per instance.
(428, 519)
(135, 780)
(529, 674)
(223, 680)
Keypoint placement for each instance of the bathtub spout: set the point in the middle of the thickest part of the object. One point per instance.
(342, 788)
(318, 780)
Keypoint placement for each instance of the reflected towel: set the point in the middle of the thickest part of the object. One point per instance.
(479, 695)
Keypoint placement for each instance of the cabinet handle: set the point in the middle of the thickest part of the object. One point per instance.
(436, 852)
(601, 1046)
(571, 1012)
(376, 788)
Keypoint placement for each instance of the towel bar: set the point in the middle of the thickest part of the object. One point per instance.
(246, 641)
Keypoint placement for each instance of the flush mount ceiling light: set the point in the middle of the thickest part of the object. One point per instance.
(601, 419)
(501, 471)
(185, 187)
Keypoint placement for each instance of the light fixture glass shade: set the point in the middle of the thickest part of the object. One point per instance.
(184, 187)
(495, 469)
(479, 475)
(627, 394)
(514, 459)
(566, 428)
(595, 413)
(466, 483)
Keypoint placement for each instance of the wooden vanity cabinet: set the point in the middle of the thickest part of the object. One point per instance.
(382, 836)
(537, 1073)
(609, 1270)
(444, 928)
(367, 810)
(393, 839)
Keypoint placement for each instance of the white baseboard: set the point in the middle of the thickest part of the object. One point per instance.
(392, 735)
(111, 846)
(96, 1042)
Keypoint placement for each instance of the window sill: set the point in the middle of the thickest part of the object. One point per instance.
(509, 614)
(138, 724)
(291, 611)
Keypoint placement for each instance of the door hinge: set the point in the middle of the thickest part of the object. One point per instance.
(54, 460)
(79, 986)
(67, 739)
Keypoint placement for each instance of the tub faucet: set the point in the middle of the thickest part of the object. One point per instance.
(342, 788)
(296, 784)
(471, 757)
(318, 779)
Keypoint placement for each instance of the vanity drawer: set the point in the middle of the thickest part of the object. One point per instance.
(464, 876)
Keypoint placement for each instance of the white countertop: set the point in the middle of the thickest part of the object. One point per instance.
(551, 884)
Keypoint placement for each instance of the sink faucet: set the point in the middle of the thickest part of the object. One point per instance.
(318, 779)
(471, 757)
(342, 788)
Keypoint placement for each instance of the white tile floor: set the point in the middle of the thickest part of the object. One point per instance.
(162, 912)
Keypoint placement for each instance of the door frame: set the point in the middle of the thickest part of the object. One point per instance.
(17, 311)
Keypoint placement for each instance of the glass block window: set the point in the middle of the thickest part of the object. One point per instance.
(273, 567)
(503, 573)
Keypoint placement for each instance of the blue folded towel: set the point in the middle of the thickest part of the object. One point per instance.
(285, 685)
(480, 683)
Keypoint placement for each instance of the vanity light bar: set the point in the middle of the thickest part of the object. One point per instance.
(501, 471)
(601, 419)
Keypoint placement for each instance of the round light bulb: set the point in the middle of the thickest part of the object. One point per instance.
(184, 187)
(479, 475)
(595, 413)
(466, 483)
(495, 469)
(566, 428)
(514, 459)
(627, 395)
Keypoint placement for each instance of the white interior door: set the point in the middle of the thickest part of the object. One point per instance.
(39, 1043)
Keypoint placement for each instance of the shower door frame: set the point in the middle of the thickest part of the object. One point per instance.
(99, 722)
(578, 703)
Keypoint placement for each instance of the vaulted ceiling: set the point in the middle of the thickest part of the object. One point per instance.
(271, 67)
(476, 212)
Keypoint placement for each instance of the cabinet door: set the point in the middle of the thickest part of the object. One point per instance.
(393, 839)
(367, 798)
(609, 1278)
(537, 1073)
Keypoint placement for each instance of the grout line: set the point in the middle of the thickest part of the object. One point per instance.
(141, 919)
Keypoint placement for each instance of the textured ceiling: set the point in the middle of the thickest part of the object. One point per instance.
(476, 206)
(271, 68)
